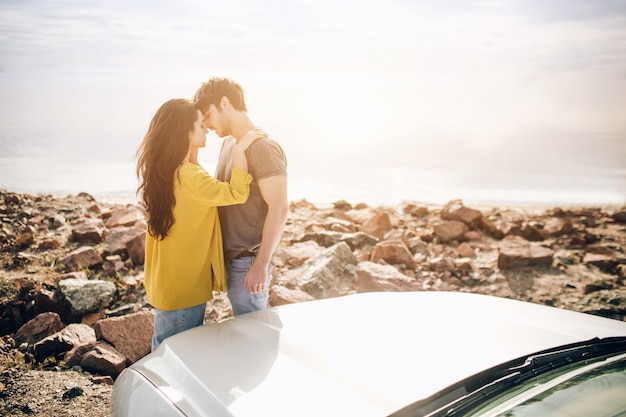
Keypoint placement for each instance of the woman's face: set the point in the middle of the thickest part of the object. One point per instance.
(197, 135)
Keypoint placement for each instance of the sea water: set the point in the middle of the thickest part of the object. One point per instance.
(353, 137)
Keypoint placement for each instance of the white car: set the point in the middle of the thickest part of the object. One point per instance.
(386, 354)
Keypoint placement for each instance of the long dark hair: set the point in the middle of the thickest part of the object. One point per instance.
(159, 155)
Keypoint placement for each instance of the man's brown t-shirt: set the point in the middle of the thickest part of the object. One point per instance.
(242, 224)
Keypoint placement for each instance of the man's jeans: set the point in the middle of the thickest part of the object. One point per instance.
(240, 299)
(168, 323)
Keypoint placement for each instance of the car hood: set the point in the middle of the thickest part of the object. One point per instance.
(365, 354)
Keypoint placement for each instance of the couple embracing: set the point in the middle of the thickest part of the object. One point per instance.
(209, 233)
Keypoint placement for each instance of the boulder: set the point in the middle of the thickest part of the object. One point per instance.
(376, 277)
(38, 328)
(450, 230)
(103, 359)
(328, 274)
(131, 334)
(85, 296)
(71, 337)
(516, 251)
(393, 252)
(81, 258)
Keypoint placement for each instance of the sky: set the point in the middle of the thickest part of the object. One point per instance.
(367, 35)
(369, 77)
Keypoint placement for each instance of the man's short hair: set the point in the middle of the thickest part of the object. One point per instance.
(212, 91)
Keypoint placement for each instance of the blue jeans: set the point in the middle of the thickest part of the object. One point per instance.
(240, 299)
(168, 323)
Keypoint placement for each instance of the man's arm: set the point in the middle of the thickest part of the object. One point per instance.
(274, 192)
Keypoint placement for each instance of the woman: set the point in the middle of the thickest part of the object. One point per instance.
(184, 256)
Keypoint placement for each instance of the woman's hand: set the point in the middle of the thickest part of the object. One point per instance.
(240, 149)
(250, 136)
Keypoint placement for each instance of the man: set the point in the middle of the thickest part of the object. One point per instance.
(251, 231)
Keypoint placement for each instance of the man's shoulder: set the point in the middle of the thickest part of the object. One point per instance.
(266, 142)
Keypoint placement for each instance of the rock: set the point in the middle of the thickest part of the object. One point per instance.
(606, 263)
(85, 296)
(398, 234)
(464, 266)
(301, 204)
(377, 225)
(442, 264)
(516, 251)
(619, 216)
(600, 250)
(113, 264)
(328, 274)
(490, 228)
(455, 210)
(71, 337)
(450, 230)
(106, 380)
(375, 277)
(131, 335)
(327, 239)
(38, 328)
(280, 295)
(126, 216)
(81, 258)
(51, 243)
(136, 249)
(465, 250)
(12, 199)
(418, 247)
(393, 252)
(415, 210)
(24, 236)
(296, 254)
(47, 301)
(104, 359)
(605, 303)
(531, 232)
(339, 225)
(472, 236)
(557, 226)
(72, 393)
(117, 239)
(342, 205)
(89, 231)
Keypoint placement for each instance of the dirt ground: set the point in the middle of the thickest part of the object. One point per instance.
(52, 393)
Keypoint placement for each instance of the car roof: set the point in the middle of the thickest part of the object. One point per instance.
(363, 354)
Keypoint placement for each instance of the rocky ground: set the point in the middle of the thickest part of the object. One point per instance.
(572, 258)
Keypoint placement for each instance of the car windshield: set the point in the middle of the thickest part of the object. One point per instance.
(596, 392)
(583, 379)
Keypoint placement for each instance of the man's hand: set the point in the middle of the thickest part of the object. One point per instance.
(256, 278)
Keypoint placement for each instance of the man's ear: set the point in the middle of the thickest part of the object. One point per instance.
(224, 103)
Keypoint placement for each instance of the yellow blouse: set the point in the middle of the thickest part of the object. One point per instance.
(185, 268)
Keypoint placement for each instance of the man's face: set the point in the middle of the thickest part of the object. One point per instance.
(216, 120)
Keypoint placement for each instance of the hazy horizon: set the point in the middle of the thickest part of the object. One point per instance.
(382, 99)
